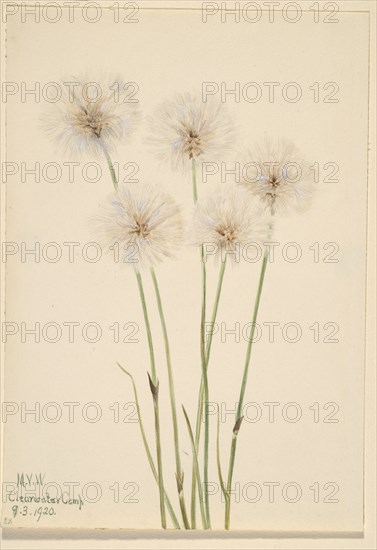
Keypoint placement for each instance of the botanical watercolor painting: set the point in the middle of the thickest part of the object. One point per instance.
(225, 248)
(147, 227)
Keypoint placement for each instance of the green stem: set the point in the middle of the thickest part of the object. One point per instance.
(148, 451)
(243, 389)
(153, 380)
(148, 327)
(202, 397)
(159, 455)
(179, 472)
(196, 464)
(215, 309)
(219, 470)
(203, 364)
(154, 389)
(202, 353)
(206, 397)
(112, 171)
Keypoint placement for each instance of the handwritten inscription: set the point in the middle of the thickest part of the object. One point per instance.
(33, 497)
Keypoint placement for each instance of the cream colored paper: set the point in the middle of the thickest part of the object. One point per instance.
(321, 458)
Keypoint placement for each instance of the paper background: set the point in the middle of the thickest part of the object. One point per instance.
(305, 292)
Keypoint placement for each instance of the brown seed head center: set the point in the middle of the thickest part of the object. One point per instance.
(227, 234)
(141, 229)
(274, 181)
(91, 121)
(193, 144)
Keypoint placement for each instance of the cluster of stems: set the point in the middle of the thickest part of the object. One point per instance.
(202, 416)
(154, 387)
(203, 399)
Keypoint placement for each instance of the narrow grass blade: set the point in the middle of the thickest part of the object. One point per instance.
(147, 448)
(219, 471)
(197, 472)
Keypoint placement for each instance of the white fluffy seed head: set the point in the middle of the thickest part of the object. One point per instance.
(142, 223)
(279, 177)
(226, 222)
(92, 117)
(186, 129)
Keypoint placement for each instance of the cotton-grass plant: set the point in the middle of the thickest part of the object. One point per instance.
(186, 131)
(279, 177)
(92, 117)
(146, 226)
(282, 185)
(144, 222)
(149, 221)
(227, 220)
(92, 120)
(224, 222)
